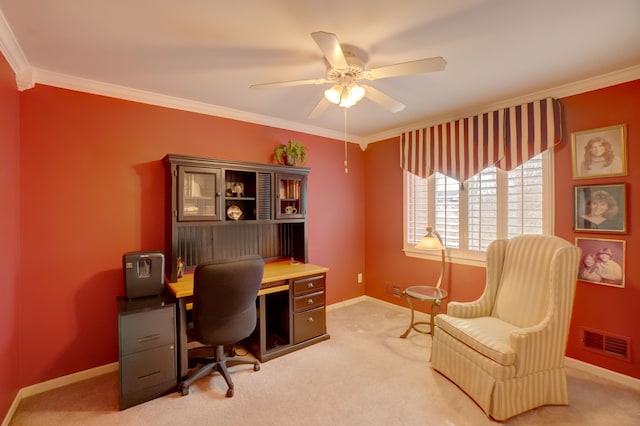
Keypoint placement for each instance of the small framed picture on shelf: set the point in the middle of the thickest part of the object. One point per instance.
(602, 262)
(237, 189)
(599, 152)
(600, 208)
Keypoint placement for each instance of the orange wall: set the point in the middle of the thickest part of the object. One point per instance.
(92, 185)
(386, 264)
(85, 172)
(610, 310)
(9, 233)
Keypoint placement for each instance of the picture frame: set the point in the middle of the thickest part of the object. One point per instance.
(600, 208)
(599, 152)
(602, 261)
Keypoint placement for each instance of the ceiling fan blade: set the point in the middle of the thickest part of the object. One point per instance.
(383, 99)
(328, 43)
(320, 107)
(290, 83)
(414, 67)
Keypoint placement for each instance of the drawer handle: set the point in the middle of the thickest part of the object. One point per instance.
(310, 319)
(148, 376)
(310, 285)
(309, 301)
(148, 338)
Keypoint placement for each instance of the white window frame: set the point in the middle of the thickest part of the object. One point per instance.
(475, 257)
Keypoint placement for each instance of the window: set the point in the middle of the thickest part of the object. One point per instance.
(491, 205)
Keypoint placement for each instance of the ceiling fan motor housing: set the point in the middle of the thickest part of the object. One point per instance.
(353, 72)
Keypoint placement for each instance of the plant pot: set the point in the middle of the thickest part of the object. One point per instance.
(289, 160)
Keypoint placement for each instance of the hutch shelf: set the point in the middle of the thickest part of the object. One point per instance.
(217, 209)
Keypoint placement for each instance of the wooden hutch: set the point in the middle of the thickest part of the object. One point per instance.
(218, 209)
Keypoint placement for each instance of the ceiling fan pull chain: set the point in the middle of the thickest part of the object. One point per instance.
(346, 168)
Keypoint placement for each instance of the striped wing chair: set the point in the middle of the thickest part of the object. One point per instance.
(506, 349)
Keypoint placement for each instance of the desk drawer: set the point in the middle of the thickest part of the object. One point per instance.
(147, 369)
(308, 301)
(308, 285)
(146, 330)
(308, 324)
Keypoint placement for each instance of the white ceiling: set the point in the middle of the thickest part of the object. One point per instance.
(204, 54)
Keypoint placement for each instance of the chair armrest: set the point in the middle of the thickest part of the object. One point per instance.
(467, 309)
(539, 347)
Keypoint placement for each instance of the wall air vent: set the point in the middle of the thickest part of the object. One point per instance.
(613, 346)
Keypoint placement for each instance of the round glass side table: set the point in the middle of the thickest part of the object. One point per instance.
(423, 293)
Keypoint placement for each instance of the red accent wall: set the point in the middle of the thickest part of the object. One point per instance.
(9, 233)
(92, 185)
(386, 264)
(85, 172)
(610, 310)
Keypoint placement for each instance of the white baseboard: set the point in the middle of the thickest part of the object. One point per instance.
(374, 300)
(618, 378)
(57, 383)
(347, 302)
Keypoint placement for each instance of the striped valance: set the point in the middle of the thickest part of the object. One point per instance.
(463, 148)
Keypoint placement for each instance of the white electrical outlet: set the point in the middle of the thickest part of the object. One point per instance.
(360, 278)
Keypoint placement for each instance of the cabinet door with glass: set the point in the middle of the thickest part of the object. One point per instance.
(198, 193)
(290, 193)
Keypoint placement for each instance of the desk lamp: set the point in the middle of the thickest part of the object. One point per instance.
(432, 241)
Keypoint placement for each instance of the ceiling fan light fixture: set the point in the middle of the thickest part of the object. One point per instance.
(334, 94)
(346, 103)
(356, 93)
(351, 95)
(345, 95)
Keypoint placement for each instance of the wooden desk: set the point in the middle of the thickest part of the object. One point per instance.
(291, 310)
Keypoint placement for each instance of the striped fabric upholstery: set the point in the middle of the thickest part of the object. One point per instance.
(506, 349)
(528, 281)
(506, 138)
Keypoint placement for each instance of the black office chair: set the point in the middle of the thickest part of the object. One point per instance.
(224, 312)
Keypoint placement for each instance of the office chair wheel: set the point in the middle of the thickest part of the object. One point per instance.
(184, 390)
(256, 367)
(229, 392)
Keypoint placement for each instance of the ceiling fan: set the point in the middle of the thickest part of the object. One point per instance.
(345, 68)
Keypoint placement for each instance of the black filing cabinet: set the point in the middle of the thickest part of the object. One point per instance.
(147, 341)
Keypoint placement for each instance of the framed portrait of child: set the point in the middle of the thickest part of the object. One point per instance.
(600, 208)
(602, 261)
(599, 152)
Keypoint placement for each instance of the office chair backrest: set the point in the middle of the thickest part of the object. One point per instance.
(224, 299)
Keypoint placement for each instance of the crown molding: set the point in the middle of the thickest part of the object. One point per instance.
(14, 55)
(65, 81)
(136, 95)
(570, 89)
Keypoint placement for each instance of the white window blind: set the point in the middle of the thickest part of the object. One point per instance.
(492, 204)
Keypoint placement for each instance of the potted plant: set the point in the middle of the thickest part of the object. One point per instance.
(290, 153)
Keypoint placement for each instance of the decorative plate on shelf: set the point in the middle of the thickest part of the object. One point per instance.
(234, 212)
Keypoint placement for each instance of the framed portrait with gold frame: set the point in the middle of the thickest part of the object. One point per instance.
(599, 152)
(602, 261)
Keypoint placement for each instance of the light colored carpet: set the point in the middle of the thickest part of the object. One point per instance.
(364, 375)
